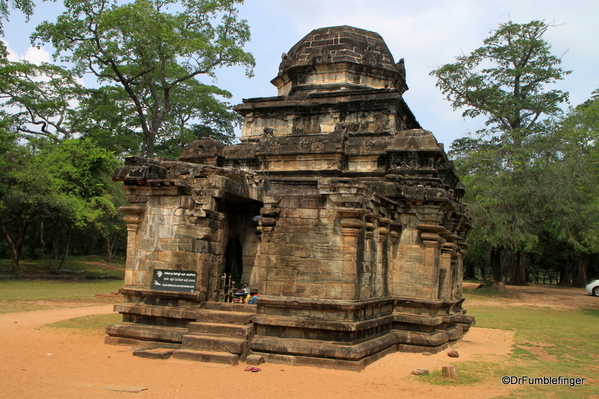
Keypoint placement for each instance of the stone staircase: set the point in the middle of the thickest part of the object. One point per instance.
(221, 334)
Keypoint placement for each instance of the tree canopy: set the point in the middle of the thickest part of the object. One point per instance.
(505, 81)
(156, 56)
(523, 186)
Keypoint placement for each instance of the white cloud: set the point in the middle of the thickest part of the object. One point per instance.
(36, 55)
(32, 54)
(12, 55)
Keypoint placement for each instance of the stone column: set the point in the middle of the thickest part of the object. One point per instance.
(447, 270)
(352, 242)
(432, 241)
(452, 249)
(383, 258)
(347, 200)
(133, 216)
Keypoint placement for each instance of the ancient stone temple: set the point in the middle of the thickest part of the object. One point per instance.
(337, 209)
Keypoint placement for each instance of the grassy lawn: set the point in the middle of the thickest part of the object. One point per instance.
(80, 287)
(28, 295)
(548, 342)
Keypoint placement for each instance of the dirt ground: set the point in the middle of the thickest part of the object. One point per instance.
(41, 362)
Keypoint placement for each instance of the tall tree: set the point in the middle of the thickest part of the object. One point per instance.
(505, 81)
(154, 53)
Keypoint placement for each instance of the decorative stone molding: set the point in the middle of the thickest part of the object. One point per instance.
(134, 215)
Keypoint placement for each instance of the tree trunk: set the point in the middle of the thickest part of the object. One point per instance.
(496, 263)
(518, 276)
(565, 274)
(66, 251)
(56, 242)
(469, 271)
(34, 241)
(16, 245)
(42, 242)
(110, 244)
(579, 275)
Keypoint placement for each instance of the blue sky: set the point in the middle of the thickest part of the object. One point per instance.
(426, 34)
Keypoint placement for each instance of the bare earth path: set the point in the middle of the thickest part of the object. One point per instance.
(40, 362)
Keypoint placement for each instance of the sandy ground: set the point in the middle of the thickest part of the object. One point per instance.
(40, 362)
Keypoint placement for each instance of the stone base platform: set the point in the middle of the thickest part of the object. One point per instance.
(330, 334)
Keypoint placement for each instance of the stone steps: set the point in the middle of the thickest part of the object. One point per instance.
(214, 343)
(224, 316)
(207, 356)
(147, 332)
(220, 335)
(229, 330)
(230, 307)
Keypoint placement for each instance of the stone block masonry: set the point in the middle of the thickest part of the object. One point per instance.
(336, 208)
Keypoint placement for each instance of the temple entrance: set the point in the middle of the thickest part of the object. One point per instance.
(242, 240)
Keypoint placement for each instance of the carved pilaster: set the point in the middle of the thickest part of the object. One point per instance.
(133, 217)
(350, 223)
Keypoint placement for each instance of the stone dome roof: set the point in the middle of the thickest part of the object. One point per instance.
(340, 44)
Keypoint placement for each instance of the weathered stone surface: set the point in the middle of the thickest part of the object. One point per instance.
(205, 356)
(153, 353)
(254, 360)
(420, 372)
(336, 208)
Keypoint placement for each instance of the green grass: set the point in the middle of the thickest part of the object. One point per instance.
(89, 325)
(80, 280)
(28, 295)
(43, 290)
(548, 342)
(469, 373)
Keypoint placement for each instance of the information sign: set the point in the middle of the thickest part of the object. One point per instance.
(174, 280)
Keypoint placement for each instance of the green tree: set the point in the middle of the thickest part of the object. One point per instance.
(194, 117)
(80, 174)
(573, 180)
(505, 82)
(25, 193)
(110, 120)
(154, 53)
(68, 184)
